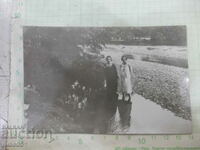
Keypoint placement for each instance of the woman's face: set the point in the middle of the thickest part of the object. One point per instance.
(109, 60)
(124, 59)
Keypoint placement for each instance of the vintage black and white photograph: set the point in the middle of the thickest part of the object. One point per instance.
(107, 80)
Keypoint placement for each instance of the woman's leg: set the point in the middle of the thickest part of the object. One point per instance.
(123, 96)
(130, 108)
(129, 97)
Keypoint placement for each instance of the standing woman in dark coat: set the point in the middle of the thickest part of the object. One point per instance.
(111, 79)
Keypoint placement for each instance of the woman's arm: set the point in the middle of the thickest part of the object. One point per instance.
(132, 78)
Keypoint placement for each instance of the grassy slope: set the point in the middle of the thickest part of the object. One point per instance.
(165, 85)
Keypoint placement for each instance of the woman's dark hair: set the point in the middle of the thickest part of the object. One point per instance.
(108, 57)
(123, 58)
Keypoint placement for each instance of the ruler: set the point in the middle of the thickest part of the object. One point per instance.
(117, 142)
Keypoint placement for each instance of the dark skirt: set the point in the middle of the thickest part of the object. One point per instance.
(111, 104)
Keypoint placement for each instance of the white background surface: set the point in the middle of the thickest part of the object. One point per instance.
(107, 13)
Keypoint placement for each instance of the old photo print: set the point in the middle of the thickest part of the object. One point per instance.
(107, 80)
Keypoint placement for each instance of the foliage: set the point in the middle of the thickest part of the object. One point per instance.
(88, 72)
(169, 36)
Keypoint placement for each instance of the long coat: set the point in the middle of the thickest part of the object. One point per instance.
(125, 79)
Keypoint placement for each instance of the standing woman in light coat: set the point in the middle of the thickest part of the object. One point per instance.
(125, 79)
(125, 88)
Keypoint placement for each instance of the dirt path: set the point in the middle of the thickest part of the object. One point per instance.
(148, 117)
